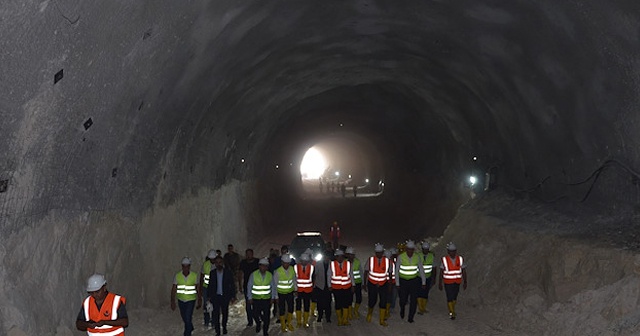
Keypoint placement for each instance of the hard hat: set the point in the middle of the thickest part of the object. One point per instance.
(387, 253)
(263, 261)
(212, 254)
(349, 250)
(186, 261)
(305, 257)
(451, 246)
(410, 244)
(338, 252)
(95, 282)
(286, 258)
(426, 245)
(393, 250)
(308, 251)
(378, 248)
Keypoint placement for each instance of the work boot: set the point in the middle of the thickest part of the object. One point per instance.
(369, 313)
(339, 313)
(345, 316)
(306, 319)
(356, 311)
(350, 310)
(420, 306)
(383, 319)
(290, 322)
(452, 313)
(299, 318)
(312, 309)
(387, 311)
(283, 324)
(258, 327)
(401, 312)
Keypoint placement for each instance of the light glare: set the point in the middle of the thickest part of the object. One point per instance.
(313, 164)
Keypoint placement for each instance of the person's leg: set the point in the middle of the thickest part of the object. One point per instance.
(298, 303)
(356, 307)
(281, 312)
(225, 314)
(217, 305)
(183, 314)
(207, 315)
(414, 284)
(403, 292)
(186, 310)
(290, 307)
(248, 309)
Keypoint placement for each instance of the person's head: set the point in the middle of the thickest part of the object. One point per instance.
(286, 261)
(218, 262)
(186, 265)
(350, 253)
(410, 247)
(230, 248)
(452, 250)
(212, 254)
(249, 253)
(284, 249)
(304, 259)
(218, 252)
(263, 265)
(97, 287)
(426, 247)
(379, 250)
(394, 252)
(339, 254)
(335, 223)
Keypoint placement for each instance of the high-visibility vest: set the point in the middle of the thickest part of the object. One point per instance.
(357, 277)
(186, 290)
(340, 276)
(206, 270)
(427, 264)
(285, 280)
(408, 267)
(303, 278)
(378, 271)
(108, 311)
(452, 272)
(261, 289)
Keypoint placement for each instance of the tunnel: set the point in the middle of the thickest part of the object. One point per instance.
(139, 132)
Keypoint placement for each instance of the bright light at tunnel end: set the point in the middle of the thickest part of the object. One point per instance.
(313, 164)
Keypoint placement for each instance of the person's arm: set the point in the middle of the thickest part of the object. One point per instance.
(329, 275)
(274, 290)
(441, 277)
(233, 288)
(174, 288)
(421, 270)
(464, 275)
(396, 268)
(249, 288)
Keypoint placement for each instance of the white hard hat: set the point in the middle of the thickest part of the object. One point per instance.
(305, 257)
(410, 244)
(95, 282)
(350, 250)
(186, 261)
(338, 252)
(378, 248)
(387, 253)
(393, 250)
(286, 258)
(308, 251)
(426, 245)
(212, 254)
(451, 246)
(263, 261)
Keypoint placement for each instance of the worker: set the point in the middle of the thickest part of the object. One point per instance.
(321, 287)
(285, 279)
(276, 262)
(392, 254)
(207, 266)
(232, 262)
(186, 289)
(102, 312)
(377, 271)
(261, 293)
(430, 274)
(314, 298)
(222, 292)
(453, 273)
(334, 234)
(304, 283)
(340, 275)
(247, 267)
(410, 274)
(354, 311)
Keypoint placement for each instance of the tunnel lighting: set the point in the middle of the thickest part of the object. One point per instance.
(366, 180)
(318, 257)
(313, 164)
(277, 166)
(349, 175)
(337, 173)
(341, 124)
(475, 158)
(472, 180)
(242, 160)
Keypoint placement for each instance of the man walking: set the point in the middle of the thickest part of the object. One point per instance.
(186, 289)
(102, 312)
(207, 266)
(261, 293)
(354, 312)
(321, 288)
(453, 271)
(430, 274)
(285, 280)
(340, 274)
(411, 275)
(232, 262)
(304, 282)
(222, 291)
(378, 273)
(334, 235)
(247, 267)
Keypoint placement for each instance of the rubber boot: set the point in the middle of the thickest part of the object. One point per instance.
(306, 319)
(425, 305)
(345, 316)
(312, 309)
(356, 311)
(453, 308)
(339, 313)
(369, 313)
(290, 321)
(383, 319)
(387, 311)
(283, 324)
(350, 310)
(452, 314)
(420, 306)
(299, 318)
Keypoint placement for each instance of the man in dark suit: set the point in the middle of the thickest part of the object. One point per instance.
(222, 292)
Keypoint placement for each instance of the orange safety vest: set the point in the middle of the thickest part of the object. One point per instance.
(108, 311)
(452, 273)
(340, 276)
(378, 272)
(303, 278)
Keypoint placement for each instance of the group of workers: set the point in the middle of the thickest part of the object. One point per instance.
(292, 286)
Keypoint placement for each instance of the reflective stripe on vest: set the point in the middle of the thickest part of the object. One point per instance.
(261, 289)
(452, 270)
(303, 279)
(408, 267)
(109, 310)
(427, 263)
(186, 290)
(378, 272)
(206, 270)
(340, 277)
(285, 280)
(357, 277)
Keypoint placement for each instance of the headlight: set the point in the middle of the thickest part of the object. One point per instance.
(318, 257)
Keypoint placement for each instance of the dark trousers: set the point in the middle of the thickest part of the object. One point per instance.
(186, 312)
(423, 293)
(220, 305)
(323, 297)
(409, 291)
(342, 298)
(303, 298)
(392, 296)
(248, 308)
(262, 314)
(358, 293)
(205, 299)
(452, 291)
(376, 292)
(285, 300)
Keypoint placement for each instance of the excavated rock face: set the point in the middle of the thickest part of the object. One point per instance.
(137, 132)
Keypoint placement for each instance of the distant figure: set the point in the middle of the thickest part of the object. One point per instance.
(333, 186)
(355, 191)
(343, 190)
(102, 311)
(321, 186)
(334, 234)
